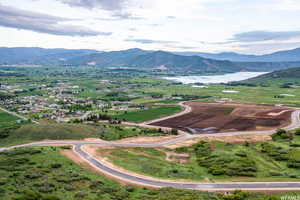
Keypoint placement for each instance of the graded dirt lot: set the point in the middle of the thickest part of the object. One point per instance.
(228, 117)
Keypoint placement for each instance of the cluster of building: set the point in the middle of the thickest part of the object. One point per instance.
(55, 103)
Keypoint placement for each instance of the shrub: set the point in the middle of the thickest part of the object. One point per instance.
(66, 147)
(282, 134)
(294, 145)
(181, 149)
(237, 195)
(95, 184)
(297, 131)
(276, 152)
(274, 173)
(294, 158)
(130, 189)
(29, 195)
(33, 175)
(56, 165)
(80, 195)
(241, 154)
(202, 149)
(69, 187)
(228, 164)
(174, 131)
(3, 181)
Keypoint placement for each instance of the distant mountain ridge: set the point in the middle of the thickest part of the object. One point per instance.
(280, 56)
(35, 55)
(137, 59)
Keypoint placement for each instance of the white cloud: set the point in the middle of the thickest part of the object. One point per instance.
(151, 23)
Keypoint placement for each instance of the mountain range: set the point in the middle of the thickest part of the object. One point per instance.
(34, 55)
(154, 60)
(280, 56)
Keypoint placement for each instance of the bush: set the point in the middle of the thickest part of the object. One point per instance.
(174, 131)
(69, 187)
(228, 164)
(274, 173)
(56, 165)
(3, 181)
(297, 131)
(80, 195)
(294, 145)
(277, 153)
(130, 189)
(237, 195)
(294, 158)
(202, 149)
(280, 134)
(181, 149)
(241, 154)
(33, 175)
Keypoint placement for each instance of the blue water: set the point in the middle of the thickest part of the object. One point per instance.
(225, 78)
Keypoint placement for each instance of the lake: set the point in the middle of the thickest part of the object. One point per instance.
(225, 78)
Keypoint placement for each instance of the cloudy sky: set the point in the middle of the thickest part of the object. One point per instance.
(253, 27)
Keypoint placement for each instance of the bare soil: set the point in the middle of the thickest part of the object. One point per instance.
(237, 139)
(229, 117)
(146, 140)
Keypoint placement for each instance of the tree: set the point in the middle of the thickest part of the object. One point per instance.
(297, 131)
(174, 131)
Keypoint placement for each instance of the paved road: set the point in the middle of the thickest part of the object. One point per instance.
(186, 110)
(77, 147)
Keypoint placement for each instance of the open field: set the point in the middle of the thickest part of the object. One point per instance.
(228, 117)
(7, 119)
(58, 178)
(30, 133)
(245, 95)
(149, 114)
(213, 161)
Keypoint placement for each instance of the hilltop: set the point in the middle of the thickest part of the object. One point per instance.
(135, 59)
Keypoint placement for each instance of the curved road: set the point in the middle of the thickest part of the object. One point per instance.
(77, 147)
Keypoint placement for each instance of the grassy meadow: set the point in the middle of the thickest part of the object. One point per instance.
(246, 95)
(25, 174)
(7, 119)
(152, 113)
(216, 161)
(31, 133)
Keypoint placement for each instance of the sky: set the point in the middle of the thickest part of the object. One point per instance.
(242, 26)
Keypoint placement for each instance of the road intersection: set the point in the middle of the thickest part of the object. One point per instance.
(150, 182)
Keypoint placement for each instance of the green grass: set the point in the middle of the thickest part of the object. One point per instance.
(25, 174)
(30, 133)
(149, 101)
(247, 95)
(59, 177)
(89, 94)
(153, 164)
(7, 119)
(217, 161)
(150, 114)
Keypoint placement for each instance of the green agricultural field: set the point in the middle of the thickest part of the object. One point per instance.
(7, 119)
(149, 101)
(30, 133)
(26, 174)
(149, 114)
(247, 95)
(215, 161)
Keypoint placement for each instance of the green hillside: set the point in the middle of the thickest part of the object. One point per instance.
(283, 78)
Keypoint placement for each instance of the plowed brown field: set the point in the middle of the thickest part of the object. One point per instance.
(229, 117)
